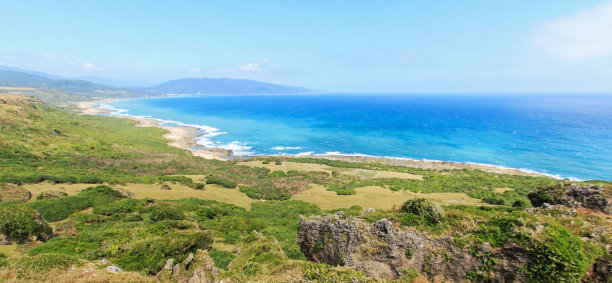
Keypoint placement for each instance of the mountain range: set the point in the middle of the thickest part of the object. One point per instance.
(83, 89)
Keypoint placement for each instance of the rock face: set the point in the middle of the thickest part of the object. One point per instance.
(384, 252)
(575, 196)
(10, 192)
(198, 268)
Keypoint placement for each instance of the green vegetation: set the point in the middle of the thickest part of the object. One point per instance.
(211, 179)
(42, 143)
(428, 210)
(55, 209)
(19, 222)
(320, 272)
(475, 183)
(560, 254)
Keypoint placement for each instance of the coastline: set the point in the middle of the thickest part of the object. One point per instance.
(185, 137)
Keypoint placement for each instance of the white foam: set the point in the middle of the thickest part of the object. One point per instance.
(307, 153)
(237, 148)
(286, 147)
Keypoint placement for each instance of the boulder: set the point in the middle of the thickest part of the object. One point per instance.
(574, 196)
(198, 268)
(52, 194)
(385, 252)
(10, 192)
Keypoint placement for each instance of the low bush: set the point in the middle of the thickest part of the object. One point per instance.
(422, 207)
(166, 211)
(212, 179)
(56, 209)
(221, 258)
(560, 256)
(19, 222)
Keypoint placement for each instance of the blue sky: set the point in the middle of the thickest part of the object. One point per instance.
(363, 46)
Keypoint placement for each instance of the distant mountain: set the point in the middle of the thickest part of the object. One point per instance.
(110, 82)
(19, 79)
(36, 73)
(55, 89)
(221, 86)
(59, 91)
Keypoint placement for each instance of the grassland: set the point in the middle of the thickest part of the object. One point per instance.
(378, 198)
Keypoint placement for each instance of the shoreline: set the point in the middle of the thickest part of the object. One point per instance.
(185, 137)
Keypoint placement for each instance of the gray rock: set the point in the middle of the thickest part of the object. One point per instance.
(383, 251)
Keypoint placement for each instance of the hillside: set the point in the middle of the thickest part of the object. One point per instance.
(221, 86)
(58, 90)
(103, 199)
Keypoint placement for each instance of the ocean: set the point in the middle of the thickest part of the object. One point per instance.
(568, 136)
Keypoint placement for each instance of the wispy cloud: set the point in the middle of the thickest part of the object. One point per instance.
(195, 69)
(90, 66)
(586, 34)
(250, 67)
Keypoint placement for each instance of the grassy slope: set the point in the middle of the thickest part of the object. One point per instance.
(41, 142)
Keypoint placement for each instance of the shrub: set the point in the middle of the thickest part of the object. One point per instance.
(198, 186)
(56, 209)
(165, 187)
(519, 203)
(177, 179)
(211, 179)
(537, 199)
(166, 211)
(221, 258)
(422, 207)
(321, 272)
(120, 206)
(560, 256)
(19, 222)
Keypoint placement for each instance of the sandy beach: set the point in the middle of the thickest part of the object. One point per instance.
(185, 137)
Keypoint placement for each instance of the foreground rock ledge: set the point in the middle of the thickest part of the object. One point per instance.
(384, 252)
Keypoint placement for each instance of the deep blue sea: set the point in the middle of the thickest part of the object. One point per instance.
(564, 135)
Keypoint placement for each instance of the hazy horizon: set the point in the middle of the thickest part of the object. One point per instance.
(395, 47)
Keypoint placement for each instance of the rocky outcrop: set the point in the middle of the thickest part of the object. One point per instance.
(10, 192)
(574, 196)
(385, 252)
(198, 268)
(52, 194)
(124, 192)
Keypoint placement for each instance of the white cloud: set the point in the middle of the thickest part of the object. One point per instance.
(270, 63)
(586, 34)
(250, 67)
(49, 56)
(90, 66)
(195, 69)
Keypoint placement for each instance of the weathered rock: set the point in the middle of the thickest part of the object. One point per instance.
(124, 192)
(52, 194)
(574, 196)
(10, 192)
(196, 269)
(384, 252)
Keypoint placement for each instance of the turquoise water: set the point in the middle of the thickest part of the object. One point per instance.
(563, 135)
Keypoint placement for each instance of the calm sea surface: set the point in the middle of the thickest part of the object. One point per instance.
(565, 135)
